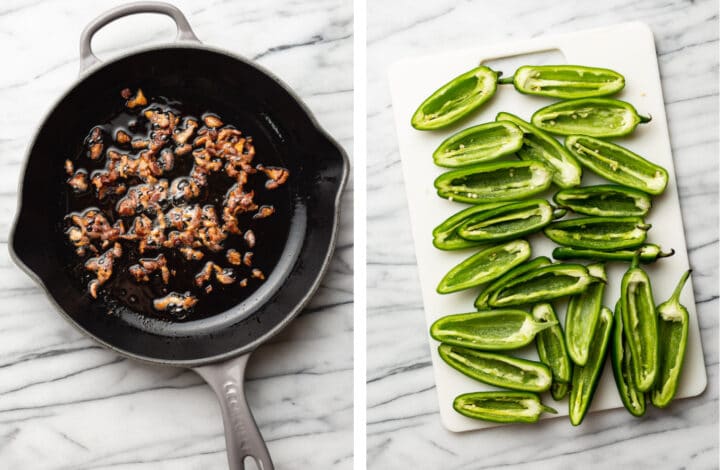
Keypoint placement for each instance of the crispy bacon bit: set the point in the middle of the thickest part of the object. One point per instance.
(122, 137)
(212, 121)
(182, 137)
(143, 196)
(183, 149)
(139, 144)
(79, 181)
(138, 100)
(243, 282)
(102, 266)
(264, 211)
(276, 176)
(146, 266)
(191, 255)
(175, 302)
(257, 274)
(205, 274)
(208, 288)
(234, 257)
(126, 93)
(247, 258)
(237, 201)
(158, 118)
(69, 167)
(250, 238)
(92, 226)
(183, 188)
(224, 276)
(95, 143)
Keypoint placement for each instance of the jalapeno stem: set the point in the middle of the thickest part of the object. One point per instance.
(666, 255)
(506, 80)
(645, 119)
(676, 293)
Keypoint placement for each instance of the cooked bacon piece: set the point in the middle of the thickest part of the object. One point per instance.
(79, 181)
(212, 121)
(205, 274)
(158, 118)
(264, 211)
(208, 288)
(224, 276)
(234, 257)
(183, 189)
(95, 143)
(143, 197)
(257, 274)
(175, 301)
(237, 201)
(146, 266)
(69, 168)
(138, 100)
(243, 282)
(138, 144)
(122, 137)
(93, 226)
(102, 266)
(183, 149)
(182, 137)
(247, 258)
(276, 176)
(192, 255)
(250, 238)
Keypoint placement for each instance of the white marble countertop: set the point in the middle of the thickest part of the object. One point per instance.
(67, 403)
(404, 429)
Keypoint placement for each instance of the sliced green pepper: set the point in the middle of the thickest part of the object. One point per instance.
(485, 266)
(550, 282)
(492, 330)
(585, 378)
(640, 324)
(494, 181)
(456, 99)
(618, 164)
(501, 407)
(604, 200)
(551, 344)
(482, 300)
(596, 117)
(559, 390)
(445, 236)
(632, 398)
(672, 335)
(542, 147)
(648, 253)
(582, 316)
(599, 233)
(508, 222)
(478, 144)
(498, 369)
(565, 81)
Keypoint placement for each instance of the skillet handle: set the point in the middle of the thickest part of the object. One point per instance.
(242, 436)
(184, 31)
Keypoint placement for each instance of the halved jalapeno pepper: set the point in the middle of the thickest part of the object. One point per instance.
(479, 144)
(599, 233)
(501, 407)
(565, 81)
(604, 200)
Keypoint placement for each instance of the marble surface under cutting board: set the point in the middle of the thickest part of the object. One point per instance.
(404, 428)
(67, 403)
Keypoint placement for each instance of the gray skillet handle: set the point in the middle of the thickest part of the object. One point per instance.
(88, 59)
(242, 436)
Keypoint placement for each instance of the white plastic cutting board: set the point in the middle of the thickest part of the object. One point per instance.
(627, 48)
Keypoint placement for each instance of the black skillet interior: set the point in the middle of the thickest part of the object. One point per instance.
(242, 95)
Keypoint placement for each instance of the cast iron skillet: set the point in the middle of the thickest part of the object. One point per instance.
(216, 347)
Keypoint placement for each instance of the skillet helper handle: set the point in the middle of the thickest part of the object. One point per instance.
(184, 31)
(242, 436)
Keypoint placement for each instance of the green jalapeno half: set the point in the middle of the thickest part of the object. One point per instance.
(445, 236)
(478, 144)
(551, 348)
(585, 378)
(497, 369)
(456, 99)
(596, 117)
(501, 407)
(623, 370)
(550, 282)
(582, 316)
(618, 164)
(509, 221)
(604, 200)
(481, 302)
(673, 320)
(565, 81)
(599, 233)
(640, 324)
(540, 146)
(559, 390)
(649, 253)
(494, 181)
(491, 330)
(485, 266)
